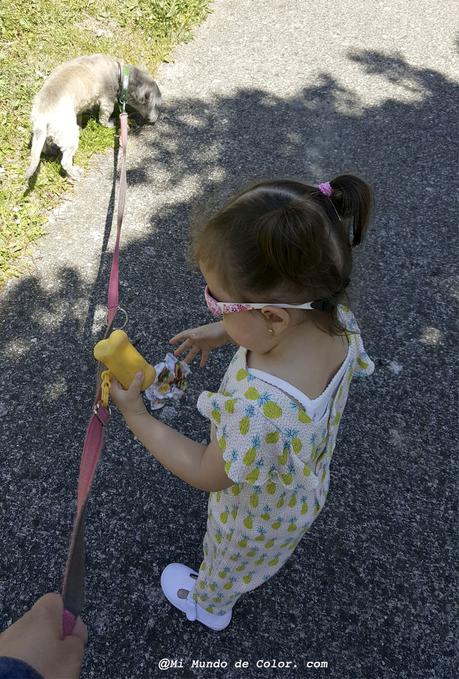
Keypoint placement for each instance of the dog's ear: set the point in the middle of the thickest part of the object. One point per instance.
(135, 80)
(139, 85)
(149, 94)
(144, 95)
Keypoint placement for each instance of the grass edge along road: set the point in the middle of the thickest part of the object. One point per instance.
(36, 36)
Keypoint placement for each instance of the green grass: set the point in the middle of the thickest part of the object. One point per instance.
(36, 36)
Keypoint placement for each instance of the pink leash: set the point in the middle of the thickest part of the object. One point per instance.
(112, 303)
(73, 588)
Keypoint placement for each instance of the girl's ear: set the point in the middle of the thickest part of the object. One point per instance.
(276, 318)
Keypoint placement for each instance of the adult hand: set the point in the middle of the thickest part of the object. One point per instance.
(128, 401)
(37, 640)
(202, 339)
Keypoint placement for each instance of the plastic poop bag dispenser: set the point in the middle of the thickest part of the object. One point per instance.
(123, 360)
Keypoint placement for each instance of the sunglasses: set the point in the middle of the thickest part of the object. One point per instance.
(217, 308)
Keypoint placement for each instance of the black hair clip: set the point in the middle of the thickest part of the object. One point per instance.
(326, 304)
(322, 305)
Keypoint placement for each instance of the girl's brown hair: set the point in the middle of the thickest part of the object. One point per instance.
(285, 241)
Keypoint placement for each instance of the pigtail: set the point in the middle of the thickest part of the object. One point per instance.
(352, 199)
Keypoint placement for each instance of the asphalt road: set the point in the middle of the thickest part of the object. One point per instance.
(271, 87)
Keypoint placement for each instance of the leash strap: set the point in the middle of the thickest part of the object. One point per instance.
(73, 588)
(112, 304)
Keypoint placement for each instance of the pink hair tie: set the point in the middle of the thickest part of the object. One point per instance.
(326, 188)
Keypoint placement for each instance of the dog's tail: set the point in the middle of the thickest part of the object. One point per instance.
(38, 141)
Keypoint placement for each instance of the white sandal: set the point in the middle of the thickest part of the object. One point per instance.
(178, 576)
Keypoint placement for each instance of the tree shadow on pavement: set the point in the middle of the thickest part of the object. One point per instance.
(368, 586)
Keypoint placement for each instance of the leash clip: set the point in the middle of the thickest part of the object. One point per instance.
(96, 409)
(126, 317)
(124, 87)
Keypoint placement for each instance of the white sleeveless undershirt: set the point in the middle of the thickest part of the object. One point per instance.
(315, 407)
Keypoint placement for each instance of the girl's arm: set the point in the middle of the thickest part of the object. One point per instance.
(200, 466)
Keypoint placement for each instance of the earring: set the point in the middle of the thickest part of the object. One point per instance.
(270, 330)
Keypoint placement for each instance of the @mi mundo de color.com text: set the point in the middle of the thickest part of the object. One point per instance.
(180, 663)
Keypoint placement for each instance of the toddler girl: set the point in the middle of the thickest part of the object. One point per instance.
(276, 259)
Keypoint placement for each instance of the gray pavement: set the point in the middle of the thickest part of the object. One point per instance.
(266, 88)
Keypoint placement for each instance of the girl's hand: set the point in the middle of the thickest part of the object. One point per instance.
(201, 339)
(128, 401)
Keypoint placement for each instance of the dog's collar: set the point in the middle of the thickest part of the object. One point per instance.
(123, 76)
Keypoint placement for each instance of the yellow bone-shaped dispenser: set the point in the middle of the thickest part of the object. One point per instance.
(123, 360)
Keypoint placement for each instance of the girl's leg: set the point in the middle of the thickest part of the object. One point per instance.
(186, 589)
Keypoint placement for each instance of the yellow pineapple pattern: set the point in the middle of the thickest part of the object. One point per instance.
(278, 458)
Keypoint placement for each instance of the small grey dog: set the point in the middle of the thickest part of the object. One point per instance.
(79, 85)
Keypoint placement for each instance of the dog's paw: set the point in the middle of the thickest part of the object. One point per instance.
(75, 173)
(107, 123)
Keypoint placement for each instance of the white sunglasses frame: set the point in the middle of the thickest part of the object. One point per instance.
(236, 307)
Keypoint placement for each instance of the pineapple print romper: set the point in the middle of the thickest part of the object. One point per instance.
(279, 457)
